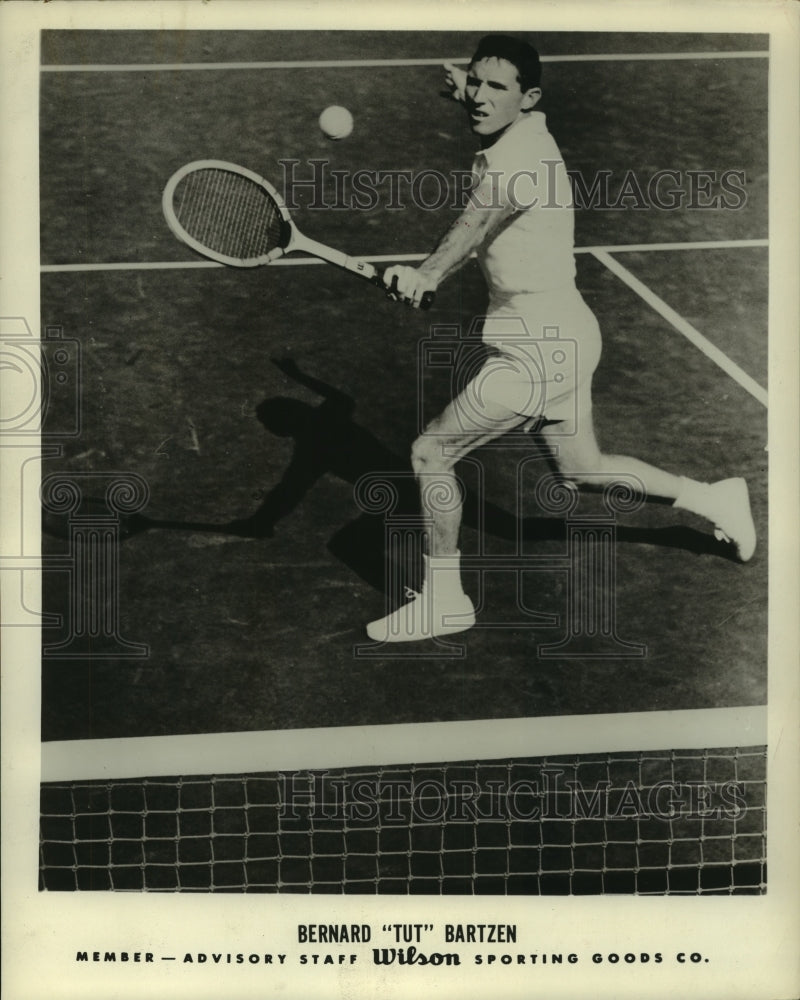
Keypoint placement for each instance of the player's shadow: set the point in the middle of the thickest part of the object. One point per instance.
(327, 441)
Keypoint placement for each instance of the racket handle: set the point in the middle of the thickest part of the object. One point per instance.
(426, 301)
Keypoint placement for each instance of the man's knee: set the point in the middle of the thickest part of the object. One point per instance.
(423, 454)
(428, 454)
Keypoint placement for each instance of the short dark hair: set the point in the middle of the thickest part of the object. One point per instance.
(521, 55)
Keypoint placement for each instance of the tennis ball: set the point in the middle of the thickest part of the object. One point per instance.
(336, 122)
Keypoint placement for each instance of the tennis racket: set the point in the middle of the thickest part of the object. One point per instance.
(231, 215)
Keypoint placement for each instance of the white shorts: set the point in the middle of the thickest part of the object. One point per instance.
(544, 349)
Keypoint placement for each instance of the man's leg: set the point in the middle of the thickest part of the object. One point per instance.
(578, 457)
(725, 503)
(460, 429)
(442, 607)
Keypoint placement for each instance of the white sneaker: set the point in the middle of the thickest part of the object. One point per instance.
(424, 618)
(732, 516)
(727, 505)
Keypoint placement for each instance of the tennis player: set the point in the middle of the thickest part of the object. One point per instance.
(519, 222)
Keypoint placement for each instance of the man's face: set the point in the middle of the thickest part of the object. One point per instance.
(493, 96)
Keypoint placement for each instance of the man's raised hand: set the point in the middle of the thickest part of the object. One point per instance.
(456, 80)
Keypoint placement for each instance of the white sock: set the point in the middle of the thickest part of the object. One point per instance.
(443, 575)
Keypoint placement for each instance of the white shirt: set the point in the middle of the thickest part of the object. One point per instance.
(533, 251)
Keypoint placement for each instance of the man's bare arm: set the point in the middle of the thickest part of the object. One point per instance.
(480, 219)
(484, 214)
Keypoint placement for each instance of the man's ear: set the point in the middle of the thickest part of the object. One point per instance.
(531, 98)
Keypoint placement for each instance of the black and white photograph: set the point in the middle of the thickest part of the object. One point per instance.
(398, 572)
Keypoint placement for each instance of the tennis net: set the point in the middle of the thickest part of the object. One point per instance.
(663, 819)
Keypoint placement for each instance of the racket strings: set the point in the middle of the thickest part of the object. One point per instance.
(228, 213)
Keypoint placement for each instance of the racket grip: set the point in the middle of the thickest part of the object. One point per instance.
(426, 301)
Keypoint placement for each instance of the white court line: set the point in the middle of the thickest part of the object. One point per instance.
(491, 739)
(173, 264)
(699, 245)
(383, 258)
(682, 326)
(368, 63)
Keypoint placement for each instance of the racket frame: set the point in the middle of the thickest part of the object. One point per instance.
(291, 241)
